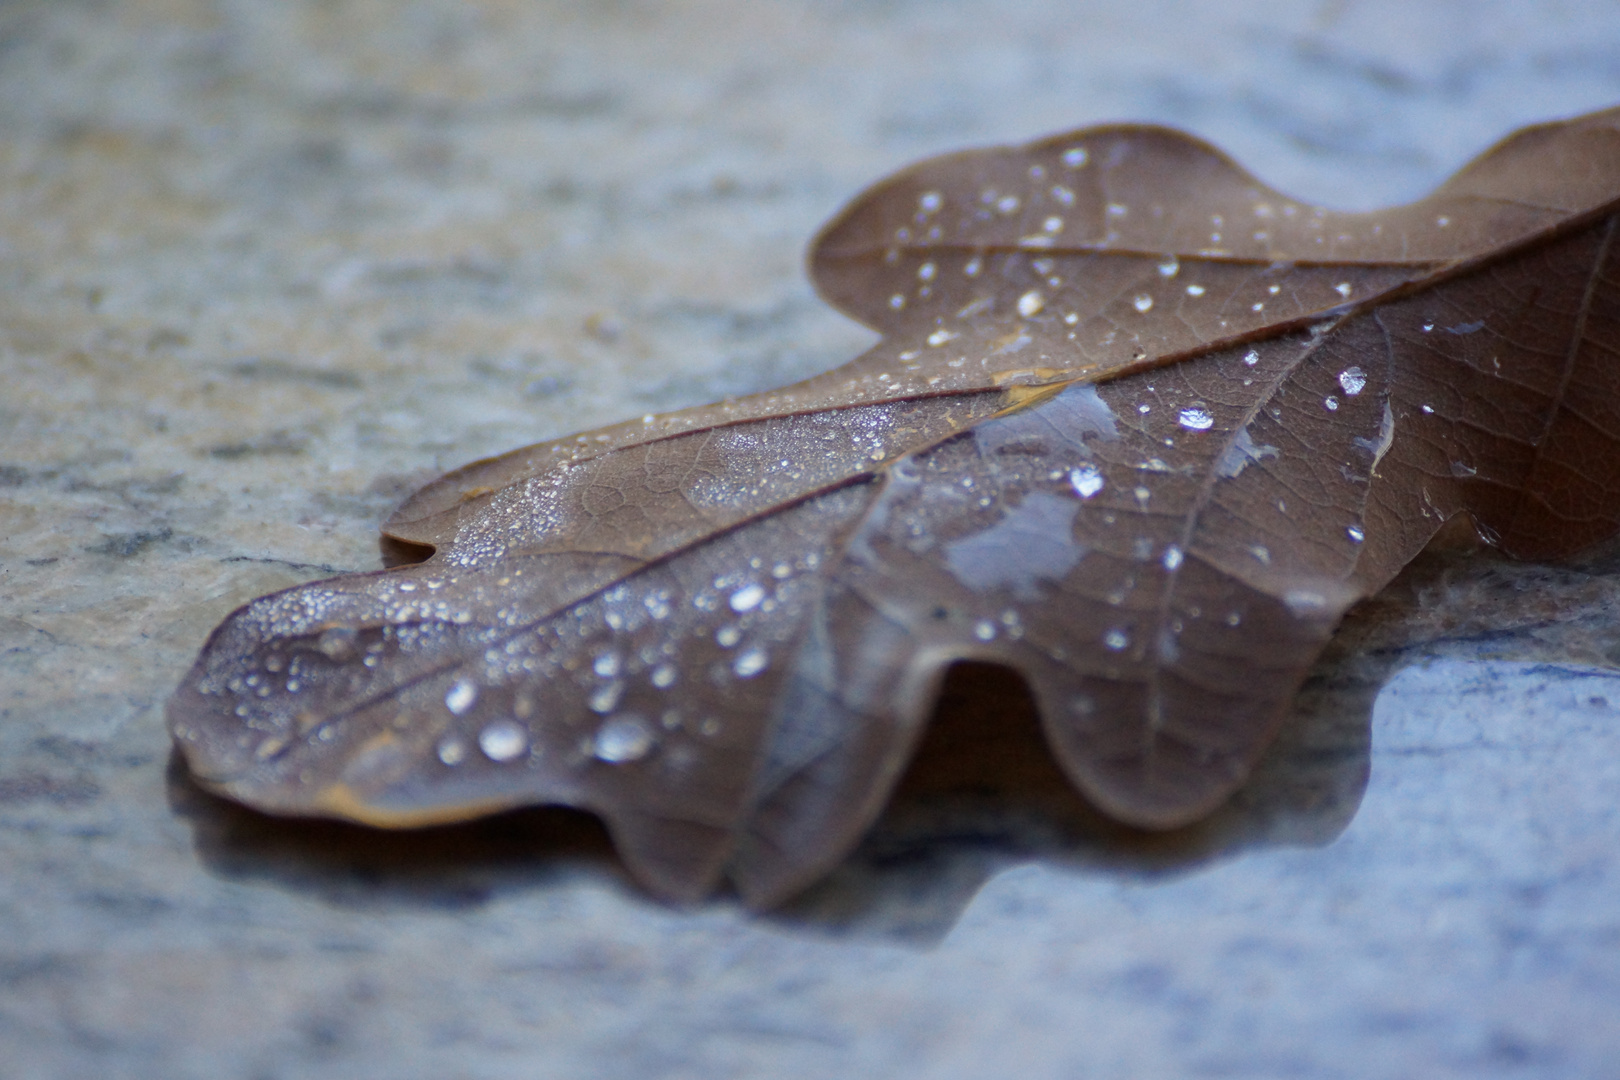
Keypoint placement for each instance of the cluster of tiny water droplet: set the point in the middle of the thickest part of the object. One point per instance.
(647, 665)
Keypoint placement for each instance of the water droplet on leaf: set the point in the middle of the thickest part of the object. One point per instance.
(1197, 418)
(461, 697)
(1086, 481)
(452, 751)
(606, 698)
(747, 598)
(503, 740)
(623, 739)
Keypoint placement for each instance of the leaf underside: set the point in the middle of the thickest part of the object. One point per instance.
(1138, 428)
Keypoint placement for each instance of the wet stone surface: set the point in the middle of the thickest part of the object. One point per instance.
(265, 268)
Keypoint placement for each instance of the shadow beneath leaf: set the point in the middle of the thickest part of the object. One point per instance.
(984, 794)
(450, 867)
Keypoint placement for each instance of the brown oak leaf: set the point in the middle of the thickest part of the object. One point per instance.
(1139, 428)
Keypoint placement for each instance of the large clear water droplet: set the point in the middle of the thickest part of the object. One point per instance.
(1197, 418)
(750, 663)
(1087, 480)
(624, 738)
(747, 598)
(461, 697)
(503, 740)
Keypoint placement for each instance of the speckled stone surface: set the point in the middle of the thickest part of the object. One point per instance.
(266, 266)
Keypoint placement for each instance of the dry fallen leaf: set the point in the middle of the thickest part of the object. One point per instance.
(1138, 428)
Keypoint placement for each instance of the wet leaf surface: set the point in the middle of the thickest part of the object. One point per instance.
(1139, 429)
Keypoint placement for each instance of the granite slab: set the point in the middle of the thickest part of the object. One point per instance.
(267, 265)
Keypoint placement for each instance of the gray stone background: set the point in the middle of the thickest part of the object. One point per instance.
(265, 266)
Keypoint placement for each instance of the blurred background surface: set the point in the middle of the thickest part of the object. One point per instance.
(265, 266)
